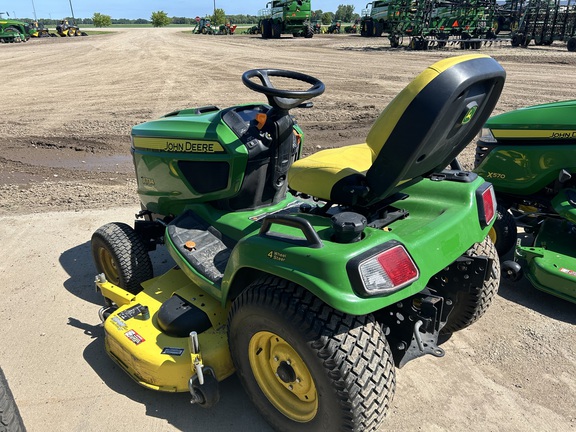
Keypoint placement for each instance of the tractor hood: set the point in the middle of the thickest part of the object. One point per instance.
(551, 121)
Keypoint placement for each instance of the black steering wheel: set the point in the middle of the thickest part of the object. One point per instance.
(283, 99)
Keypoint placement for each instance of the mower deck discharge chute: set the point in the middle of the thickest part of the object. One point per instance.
(311, 278)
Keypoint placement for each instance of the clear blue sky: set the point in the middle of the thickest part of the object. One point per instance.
(133, 9)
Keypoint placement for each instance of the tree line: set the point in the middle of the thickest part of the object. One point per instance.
(344, 13)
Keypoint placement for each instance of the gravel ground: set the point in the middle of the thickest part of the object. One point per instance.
(67, 108)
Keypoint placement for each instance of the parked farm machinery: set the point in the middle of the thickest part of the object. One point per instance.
(203, 26)
(428, 23)
(545, 22)
(380, 16)
(39, 30)
(227, 29)
(255, 29)
(69, 29)
(335, 27)
(286, 17)
(353, 28)
(12, 30)
(317, 26)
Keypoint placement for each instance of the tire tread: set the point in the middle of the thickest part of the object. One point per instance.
(353, 349)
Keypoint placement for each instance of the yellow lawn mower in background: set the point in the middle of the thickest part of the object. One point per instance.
(66, 28)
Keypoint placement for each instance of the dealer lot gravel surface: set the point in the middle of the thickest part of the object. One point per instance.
(66, 108)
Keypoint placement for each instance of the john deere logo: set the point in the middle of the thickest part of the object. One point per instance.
(469, 114)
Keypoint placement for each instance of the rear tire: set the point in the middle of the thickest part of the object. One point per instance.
(370, 28)
(10, 419)
(306, 366)
(276, 30)
(571, 44)
(120, 253)
(470, 306)
(266, 28)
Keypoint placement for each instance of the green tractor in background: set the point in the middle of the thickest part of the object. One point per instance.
(335, 27)
(376, 17)
(13, 30)
(227, 29)
(286, 17)
(310, 278)
(317, 26)
(352, 28)
(530, 157)
(203, 26)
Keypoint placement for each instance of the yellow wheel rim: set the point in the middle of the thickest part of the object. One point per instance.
(283, 376)
(109, 265)
(492, 234)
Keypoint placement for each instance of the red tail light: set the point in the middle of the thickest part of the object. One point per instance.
(486, 204)
(379, 272)
(398, 266)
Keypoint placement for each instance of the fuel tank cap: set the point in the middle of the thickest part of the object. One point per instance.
(348, 227)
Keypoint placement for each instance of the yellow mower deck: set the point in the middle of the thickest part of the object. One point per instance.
(153, 359)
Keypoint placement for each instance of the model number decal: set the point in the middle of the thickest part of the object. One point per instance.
(496, 175)
(147, 181)
(173, 351)
(277, 256)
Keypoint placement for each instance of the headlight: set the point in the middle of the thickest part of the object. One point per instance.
(486, 136)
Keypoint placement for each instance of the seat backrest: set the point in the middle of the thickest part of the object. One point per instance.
(431, 121)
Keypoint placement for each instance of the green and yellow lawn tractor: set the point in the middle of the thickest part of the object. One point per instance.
(311, 278)
(529, 155)
(39, 30)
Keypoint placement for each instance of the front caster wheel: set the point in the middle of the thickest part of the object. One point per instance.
(120, 253)
(307, 366)
(205, 395)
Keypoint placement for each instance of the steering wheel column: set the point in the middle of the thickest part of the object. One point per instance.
(283, 144)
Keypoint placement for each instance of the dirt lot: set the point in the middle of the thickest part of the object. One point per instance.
(67, 106)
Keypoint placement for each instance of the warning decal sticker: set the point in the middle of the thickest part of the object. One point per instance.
(134, 337)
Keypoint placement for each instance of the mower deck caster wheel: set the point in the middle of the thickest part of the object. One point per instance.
(205, 395)
(511, 270)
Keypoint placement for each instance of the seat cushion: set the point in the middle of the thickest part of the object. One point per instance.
(317, 174)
